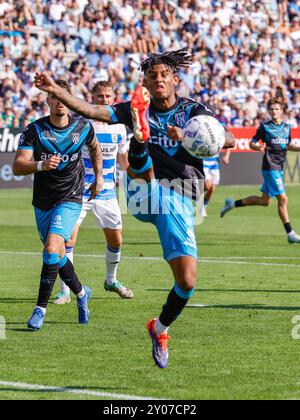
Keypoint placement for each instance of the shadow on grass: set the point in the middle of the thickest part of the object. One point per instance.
(254, 307)
(232, 290)
(16, 300)
(65, 390)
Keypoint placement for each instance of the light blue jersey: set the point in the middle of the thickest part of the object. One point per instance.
(112, 139)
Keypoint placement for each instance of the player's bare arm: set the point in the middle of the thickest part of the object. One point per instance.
(96, 112)
(258, 147)
(229, 140)
(24, 165)
(96, 160)
(226, 157)
(123, 161)
(294, 147)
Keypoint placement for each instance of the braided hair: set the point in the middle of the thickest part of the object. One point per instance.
(172, 59)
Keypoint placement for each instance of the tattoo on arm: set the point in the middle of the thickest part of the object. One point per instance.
(96, 156)
(95, 112)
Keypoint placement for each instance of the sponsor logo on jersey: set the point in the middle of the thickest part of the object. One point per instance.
(279, 141)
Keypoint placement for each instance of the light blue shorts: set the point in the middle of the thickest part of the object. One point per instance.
(273, 184)
(60, 220)
(171, 213)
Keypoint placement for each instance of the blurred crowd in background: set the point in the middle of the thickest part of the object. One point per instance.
(245, 52)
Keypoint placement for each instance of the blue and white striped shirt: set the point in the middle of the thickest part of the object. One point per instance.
(212, 163)
(112, 139)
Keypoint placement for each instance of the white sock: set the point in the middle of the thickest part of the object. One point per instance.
(160, 328)
(70, 254)
(64, 288)
(112, 259)
(42, 309)
(81, 294)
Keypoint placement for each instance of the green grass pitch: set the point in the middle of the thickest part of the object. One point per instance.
(239, 345)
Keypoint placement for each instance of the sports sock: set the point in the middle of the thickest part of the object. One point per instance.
(63, 287)
(160, 328)
(288, 228)
(239, 203)
(206, 202)
(69, 277)
(138, 157)
(70, 253)
(42, 309)
(48, 277)
(112, 259)
(175, 304)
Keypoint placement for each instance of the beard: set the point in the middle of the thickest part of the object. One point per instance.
(60, 114)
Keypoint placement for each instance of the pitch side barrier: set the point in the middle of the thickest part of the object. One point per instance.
(244, 168)
(245, 164)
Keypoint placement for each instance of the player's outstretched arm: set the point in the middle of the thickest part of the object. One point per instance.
(229, 140)
(96, 160)
(24, 165)
(95, 112)
(294, 147)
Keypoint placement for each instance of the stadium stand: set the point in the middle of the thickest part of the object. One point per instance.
(245, 52)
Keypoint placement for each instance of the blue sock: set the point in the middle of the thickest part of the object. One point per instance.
(48, 277)
(175, 304)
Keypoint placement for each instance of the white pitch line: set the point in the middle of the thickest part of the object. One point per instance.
(34, 387)
(206, 260)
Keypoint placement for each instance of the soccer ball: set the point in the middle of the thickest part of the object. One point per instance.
(203, 136)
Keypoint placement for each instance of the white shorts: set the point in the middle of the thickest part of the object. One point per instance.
(107, 213)
(212, 175)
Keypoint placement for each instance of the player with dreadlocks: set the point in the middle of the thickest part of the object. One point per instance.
(156, 154)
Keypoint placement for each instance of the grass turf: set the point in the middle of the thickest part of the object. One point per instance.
(239, 346)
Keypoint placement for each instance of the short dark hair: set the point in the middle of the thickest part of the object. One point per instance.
(172, 59)
(276, 101)
(63, 84)
(102, 84)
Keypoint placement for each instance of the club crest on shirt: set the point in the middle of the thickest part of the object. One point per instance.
(180, 119)
(114, 138)
(75, 138)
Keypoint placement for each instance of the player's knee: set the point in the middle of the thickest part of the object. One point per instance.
(115, 241)
(71, 243)
(267, 202)
(283, 202)
(189, 279)
(52, 249)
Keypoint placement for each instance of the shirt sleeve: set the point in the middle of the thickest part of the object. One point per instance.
(122, 149)
(27, 137)
(90, 135)
(260, 135)
(121, 114)
(202, 109)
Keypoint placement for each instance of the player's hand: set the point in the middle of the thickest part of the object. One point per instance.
(175, 133)
(95, 188)
(226, 160)
(44, 82)
(262, 147)
(52, 163)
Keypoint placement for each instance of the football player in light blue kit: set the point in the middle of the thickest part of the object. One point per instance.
(156, 154)
(276, 141)
(51, 149)
(113, 142)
